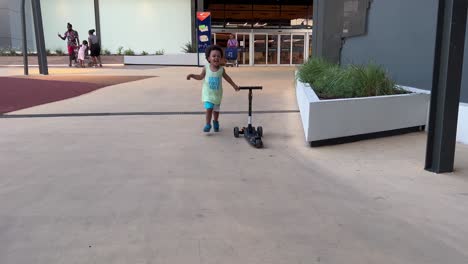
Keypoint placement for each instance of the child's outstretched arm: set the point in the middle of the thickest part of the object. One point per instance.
(199, 77)
(230, 81)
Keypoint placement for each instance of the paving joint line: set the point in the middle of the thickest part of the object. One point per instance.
(12, 116)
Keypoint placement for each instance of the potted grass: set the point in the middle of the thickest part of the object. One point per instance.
(358, 101)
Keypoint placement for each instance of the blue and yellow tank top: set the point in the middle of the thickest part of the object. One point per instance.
(213, 85)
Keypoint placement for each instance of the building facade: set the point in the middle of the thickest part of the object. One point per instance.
(139, 25)
(400, 35)
(10, 25)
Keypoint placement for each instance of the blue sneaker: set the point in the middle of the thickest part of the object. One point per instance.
(215, 126)
(207, 128)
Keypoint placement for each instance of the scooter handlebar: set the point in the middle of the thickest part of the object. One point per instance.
(250, 87)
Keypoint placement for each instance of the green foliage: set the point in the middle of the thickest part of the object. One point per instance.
(159, 52)
(129, 52)
(106, 52)
(48, 52)
(144, 53)
(331, 81)
(313, 69)
(189, 48)
(119, 50)
(59, 52)
(8, 52)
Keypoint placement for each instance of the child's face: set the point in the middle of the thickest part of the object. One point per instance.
(215, 58)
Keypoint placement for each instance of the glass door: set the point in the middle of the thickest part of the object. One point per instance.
(260, 48)
(244, 48)
(272, 45)
(298, 49)
(285, 49)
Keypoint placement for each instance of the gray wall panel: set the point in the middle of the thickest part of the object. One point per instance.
(10, 25)
(401, 36)
(464, 90)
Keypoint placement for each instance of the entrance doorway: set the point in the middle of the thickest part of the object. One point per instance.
(269, 48)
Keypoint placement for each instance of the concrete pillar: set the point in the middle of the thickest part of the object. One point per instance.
(328, 29)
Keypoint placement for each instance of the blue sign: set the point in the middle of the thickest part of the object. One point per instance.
(203, 30)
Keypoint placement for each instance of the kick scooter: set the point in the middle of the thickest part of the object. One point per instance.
(252, 135)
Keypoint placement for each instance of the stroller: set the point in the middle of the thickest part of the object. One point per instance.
(231, 57)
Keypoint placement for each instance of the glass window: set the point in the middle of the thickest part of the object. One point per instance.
(260, 49)
(272, 49)
(298, 49)
(285, 46)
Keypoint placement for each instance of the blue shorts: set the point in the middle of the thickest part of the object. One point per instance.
(209, 105)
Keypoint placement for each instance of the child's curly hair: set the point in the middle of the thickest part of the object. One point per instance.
(211, 48)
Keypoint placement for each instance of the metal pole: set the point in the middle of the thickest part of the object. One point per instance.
(25, 41)
(97, 18)
(40, 42)
(200, 8)
(445, 97)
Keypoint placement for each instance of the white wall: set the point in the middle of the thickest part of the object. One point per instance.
(57, 13)
(142, 25)
(148, 25)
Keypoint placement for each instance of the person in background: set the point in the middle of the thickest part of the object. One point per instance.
(73, 41)
(82, 53)
(232, 42)
(95, 47)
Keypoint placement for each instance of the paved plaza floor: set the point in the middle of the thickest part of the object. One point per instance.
(153, 188)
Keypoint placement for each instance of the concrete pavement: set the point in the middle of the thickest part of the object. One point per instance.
(155, 189)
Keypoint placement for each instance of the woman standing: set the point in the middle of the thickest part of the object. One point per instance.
(232, 42)
(95, 47)
(72, 42)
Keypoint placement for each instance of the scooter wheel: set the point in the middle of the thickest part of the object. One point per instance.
(258, 143)
(236, 132)
(260, 131)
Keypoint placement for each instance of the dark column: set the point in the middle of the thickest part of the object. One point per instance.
(40, 42)
(200, 6)
(327, 29)
(445, 98)
(97, 19)
(193, 8)
(25, 40)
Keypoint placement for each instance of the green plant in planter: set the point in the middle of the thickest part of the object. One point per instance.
(159, 52)
(144, 53)
(129, 52)
(59, 52)
(106, 52)
(12, 52)
(373, 81)
(48, 52)
(332, 81)
(119, 50)
(189, 48)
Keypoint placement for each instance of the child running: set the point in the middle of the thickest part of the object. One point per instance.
(212, 91)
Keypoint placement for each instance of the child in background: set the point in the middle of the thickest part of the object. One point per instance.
(212, 91)
(82, 53)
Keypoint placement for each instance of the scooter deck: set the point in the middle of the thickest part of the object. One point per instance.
(252, 137)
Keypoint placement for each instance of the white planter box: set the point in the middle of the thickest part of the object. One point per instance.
(462, 129)
(339, 118)
(182, 59)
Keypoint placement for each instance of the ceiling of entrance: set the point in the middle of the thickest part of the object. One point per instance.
(259, 11)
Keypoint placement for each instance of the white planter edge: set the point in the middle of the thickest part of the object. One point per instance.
(338, 118)
(179, 59)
